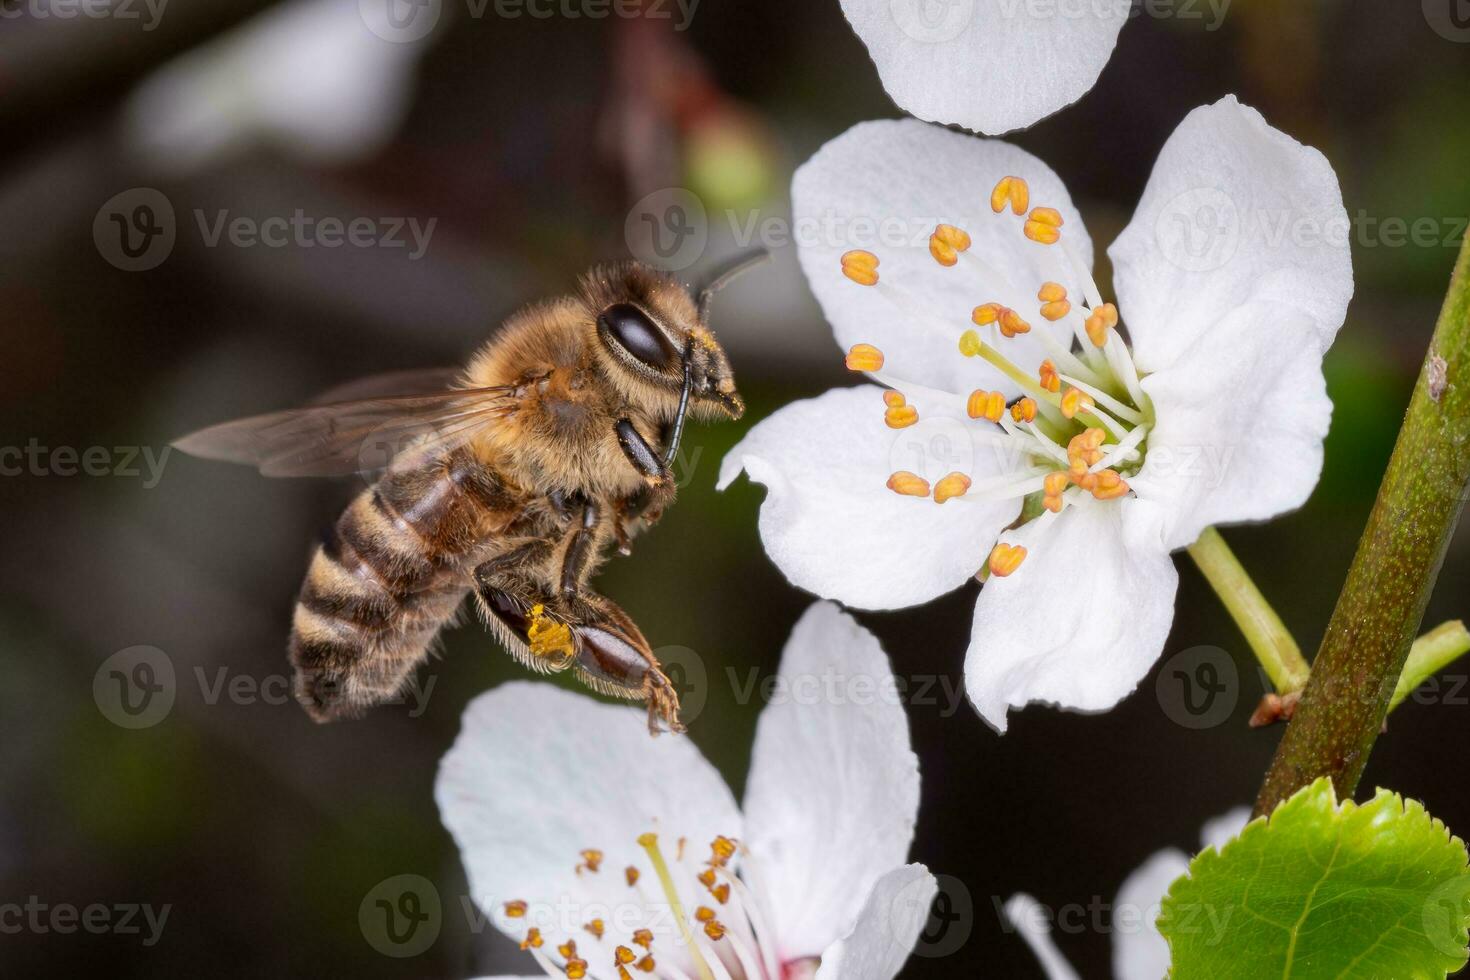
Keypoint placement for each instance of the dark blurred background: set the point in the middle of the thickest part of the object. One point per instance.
(528, 142)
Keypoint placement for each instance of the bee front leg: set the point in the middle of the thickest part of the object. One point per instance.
(649, 501)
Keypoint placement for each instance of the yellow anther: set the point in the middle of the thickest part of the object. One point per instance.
(631, 874)
(1100, 321)
(1012, 324)
(1074, 401)
(595, 927)
(643, 937)
(861, 267)
(1005, 559)
(893, 399)
(970, 343)
(1014, 190)
(1052, 502)
(1055, 483)
(591, 861)
(721, 892)
(533, 938)
(646, 964)
(576, 969)
(1088, 440)
(908, 484)
(986, 314)
(1109, 485)
(947, 243)
(1084, 479)
(1044, 226)
(1056, 310)
(953, 485)
(989, 405)
(901, 417)
(623, 973)
(515, 910)
(568, 949)
(1050, 292)
(1050, 380)
(864, 357)
(704, 914)
(707, 877)
(624, 955)
(714, 930)
(1024, 410)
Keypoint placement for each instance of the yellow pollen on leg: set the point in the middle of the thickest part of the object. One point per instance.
(1050, 380)
(1012, 190)
(546, 637)
(990, 405)
(1044, 226)
(946, 244)
(864, 357)
(952, 485)
(861, 267)
(1099, 322)
(908, 484)
(1024, 410)
(1005, 559)
(1074, 401)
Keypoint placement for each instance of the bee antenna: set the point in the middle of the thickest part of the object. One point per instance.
(726, 273)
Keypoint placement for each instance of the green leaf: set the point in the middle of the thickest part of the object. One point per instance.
(1324, 889)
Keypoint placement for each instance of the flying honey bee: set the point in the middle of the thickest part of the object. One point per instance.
(515, 477)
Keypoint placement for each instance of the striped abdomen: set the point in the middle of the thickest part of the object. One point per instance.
(398, 564)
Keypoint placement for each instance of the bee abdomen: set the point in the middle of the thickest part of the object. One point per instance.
(393, 574)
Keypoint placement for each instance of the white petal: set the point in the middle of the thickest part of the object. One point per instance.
(1240, 424)
(885, 931)
(884, 186)
(1234, 213)
(539, 774)
(1084, 617)
(1139, 951)
(987, 65)
(834, 784)
(1032, 921)
(831, 524)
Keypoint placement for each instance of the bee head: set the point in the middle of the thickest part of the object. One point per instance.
(651, 335)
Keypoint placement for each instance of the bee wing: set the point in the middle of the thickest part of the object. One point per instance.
(415, 381)
(353, 436)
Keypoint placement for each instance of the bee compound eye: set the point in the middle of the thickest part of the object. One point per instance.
(630, 328)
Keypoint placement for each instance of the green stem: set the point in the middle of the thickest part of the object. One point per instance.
(1363, 652)
(1433, 651)
(1268, 637)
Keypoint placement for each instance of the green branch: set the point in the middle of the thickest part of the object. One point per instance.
(1433, 651)
(1358, 667)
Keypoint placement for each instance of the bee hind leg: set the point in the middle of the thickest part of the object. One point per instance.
(613, 657)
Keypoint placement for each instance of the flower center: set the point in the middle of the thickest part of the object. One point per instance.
(1080, 427)
(721, 936)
